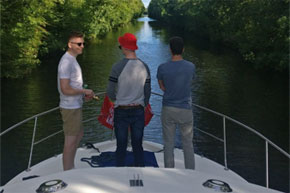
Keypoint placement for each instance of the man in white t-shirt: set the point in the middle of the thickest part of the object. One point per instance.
(70, 87)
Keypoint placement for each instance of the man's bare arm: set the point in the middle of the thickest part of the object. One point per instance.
(68, 90)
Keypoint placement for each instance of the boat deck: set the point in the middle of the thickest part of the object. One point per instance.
(84, 178)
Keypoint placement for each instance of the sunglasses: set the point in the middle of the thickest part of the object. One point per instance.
(79, 43)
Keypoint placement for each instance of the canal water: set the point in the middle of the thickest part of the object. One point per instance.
(223, 83)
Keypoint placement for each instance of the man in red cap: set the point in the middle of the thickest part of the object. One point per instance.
(130, 88)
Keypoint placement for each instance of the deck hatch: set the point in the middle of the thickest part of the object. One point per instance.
(51, 186)
(217, 185)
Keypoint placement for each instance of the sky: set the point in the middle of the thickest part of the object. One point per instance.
(146, 2)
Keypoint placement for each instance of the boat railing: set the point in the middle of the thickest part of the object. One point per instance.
(35, 117)
(223, 140)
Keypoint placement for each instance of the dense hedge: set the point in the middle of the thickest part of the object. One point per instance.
(258, 29)
(31, 28)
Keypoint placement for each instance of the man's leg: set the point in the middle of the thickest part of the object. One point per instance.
(73, 131)
(137, 130)
(186, 130)
(168, 130)
(79, 137)
(121, 125)
(69, 150)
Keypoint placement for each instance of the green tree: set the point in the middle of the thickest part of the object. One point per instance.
(22, 29)
(259, 30)
(32, 28)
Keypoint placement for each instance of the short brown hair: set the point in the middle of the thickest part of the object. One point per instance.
(75, 34)
(176, 45)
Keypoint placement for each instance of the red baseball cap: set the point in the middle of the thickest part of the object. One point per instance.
(128, 41)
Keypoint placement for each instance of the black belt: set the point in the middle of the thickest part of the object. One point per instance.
(129, 106)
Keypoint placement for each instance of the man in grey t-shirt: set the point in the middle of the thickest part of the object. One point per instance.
(175, 79)
(130, 88)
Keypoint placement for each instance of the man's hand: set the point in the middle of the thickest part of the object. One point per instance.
(161, 85)
(89, 94)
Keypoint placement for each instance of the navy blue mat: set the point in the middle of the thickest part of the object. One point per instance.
(107, 159)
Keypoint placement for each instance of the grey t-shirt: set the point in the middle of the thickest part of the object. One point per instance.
(129, 83)
(177, 78)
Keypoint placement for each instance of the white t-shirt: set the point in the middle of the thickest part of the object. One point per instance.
(69, 68)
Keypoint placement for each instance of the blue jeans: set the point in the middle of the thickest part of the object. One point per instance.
(123, 119)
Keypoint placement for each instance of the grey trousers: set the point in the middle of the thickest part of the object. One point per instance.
(170, 118)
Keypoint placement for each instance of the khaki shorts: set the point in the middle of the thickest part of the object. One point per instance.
(72, 121)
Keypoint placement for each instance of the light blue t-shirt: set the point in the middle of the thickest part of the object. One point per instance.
(177, 78)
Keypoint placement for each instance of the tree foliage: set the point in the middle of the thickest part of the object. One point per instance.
(22, 29)
(259, 30)
(30, 28)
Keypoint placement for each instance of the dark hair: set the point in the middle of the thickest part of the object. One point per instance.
(75, 34)
(176, 45)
